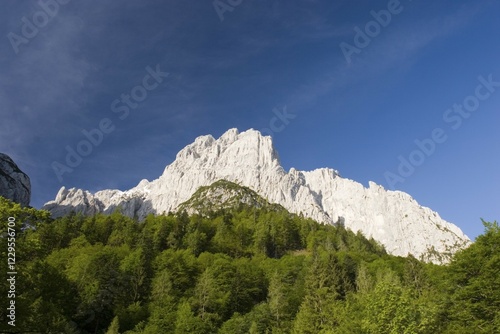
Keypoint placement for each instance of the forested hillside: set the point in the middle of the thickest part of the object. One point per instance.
(232, 271)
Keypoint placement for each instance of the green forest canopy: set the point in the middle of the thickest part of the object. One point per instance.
(237, 271)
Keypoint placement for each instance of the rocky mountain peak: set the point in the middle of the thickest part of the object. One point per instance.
(249, 159)
(14, 183)
(249, 149)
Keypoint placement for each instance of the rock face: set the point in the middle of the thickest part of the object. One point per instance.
(14, 184)
(249, 159)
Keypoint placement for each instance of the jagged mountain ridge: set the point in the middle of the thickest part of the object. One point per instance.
(249, 159)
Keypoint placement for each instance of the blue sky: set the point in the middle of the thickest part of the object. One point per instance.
(64, 66)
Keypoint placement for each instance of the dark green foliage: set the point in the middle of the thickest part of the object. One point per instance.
(242, 270)
(474, 281)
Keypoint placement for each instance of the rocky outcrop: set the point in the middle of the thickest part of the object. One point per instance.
(14, 184)
(249, 159)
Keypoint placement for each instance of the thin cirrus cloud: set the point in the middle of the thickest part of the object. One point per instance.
(43, 84)
(393, 48)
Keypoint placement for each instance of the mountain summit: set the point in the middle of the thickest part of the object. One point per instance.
(249, 159)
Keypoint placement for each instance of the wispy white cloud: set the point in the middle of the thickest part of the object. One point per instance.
(396, 47)
(42, 86)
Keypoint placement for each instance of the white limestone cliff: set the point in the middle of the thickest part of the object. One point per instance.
(393, 218)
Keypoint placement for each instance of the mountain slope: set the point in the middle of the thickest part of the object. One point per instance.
(223, 195)
(393, 218)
